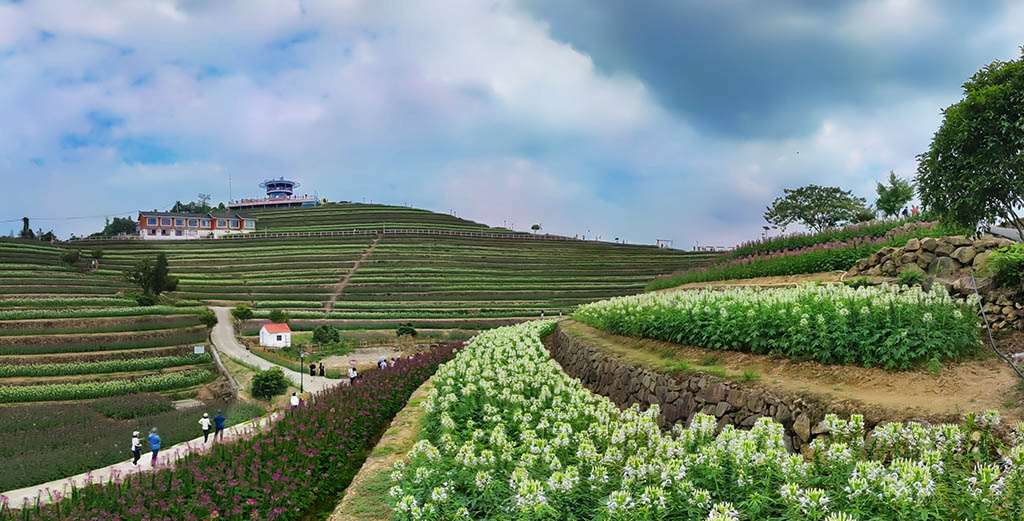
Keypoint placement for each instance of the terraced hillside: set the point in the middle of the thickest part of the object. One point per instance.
(358, 216)
(69, 333)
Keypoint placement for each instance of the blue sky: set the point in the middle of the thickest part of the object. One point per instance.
(663, 119)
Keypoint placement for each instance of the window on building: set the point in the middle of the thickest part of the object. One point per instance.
(280, 337)
(151, 220)
(250, 224)
(205, 223)
(192, 223)
(179, 222)
(234, 224)
(221, 223)
(152, 231)
(164, 232)
(165, 221)
(177, 232)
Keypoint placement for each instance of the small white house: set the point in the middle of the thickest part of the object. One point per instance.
(275, 335)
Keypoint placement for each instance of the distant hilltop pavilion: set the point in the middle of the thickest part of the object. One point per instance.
(279, 195)
(173, 225)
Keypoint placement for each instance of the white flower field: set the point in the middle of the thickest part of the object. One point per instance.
(508, 435)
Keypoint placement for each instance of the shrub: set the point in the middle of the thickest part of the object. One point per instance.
(143, 299)
(859, 282)
(406, 329)
(325, 334)
(1008, 265)
(242, 312)
(269, 383)
(278, 316)
(911, 278)
(132, 405)
(208, 318)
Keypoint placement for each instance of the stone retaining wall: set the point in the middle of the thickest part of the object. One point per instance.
(949, 261)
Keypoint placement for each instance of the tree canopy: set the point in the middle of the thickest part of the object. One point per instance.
(153, 277)
(973, 171)
(118, 226)
(895, 196)
(816, 207)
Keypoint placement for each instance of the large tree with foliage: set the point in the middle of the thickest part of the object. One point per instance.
(973, 172)
(119, 226)
(895, 196)
(816, 207)
(153, 277)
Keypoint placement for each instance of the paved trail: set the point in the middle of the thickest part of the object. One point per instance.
(17, 498)
(224, 341)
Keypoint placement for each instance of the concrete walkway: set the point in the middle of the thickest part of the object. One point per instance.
(224, 340)
(167, 456)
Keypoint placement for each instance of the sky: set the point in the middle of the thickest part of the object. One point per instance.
(649, 120)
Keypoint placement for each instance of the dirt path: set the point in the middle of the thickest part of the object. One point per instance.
(348, 276)
(366, 497)
(958, 388)
(779, 281)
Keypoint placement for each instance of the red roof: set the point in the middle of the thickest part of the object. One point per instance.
(277, 328)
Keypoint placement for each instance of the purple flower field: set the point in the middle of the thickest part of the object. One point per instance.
(305, 459)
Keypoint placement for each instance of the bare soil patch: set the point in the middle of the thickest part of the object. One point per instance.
(958, 388)
(365, 357)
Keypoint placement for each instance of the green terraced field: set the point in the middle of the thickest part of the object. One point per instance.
(70, 333)
(359, 216)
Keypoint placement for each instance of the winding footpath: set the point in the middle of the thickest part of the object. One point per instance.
(224, 341)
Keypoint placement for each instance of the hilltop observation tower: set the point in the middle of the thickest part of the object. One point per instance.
(280, 194)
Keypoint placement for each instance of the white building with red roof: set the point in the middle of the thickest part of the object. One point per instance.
(275, 335)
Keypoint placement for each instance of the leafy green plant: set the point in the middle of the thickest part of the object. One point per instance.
(278, 316)
(750, 375)
(325, 334)
(859, 282)
(911, 278)
(208, 318)
(269, 383)
(1007, 265)
(242, 312)
(406, 329)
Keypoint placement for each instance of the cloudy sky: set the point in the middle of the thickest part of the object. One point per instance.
(662, 119)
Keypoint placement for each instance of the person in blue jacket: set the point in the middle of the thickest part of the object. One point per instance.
(218, 423)
(154, 444)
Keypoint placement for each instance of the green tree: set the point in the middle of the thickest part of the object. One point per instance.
(325, 334)
(817, 207)
(536, 228)
(207, 318)
(895, 196)
(406, 329)
(119, 226)
(153, 277)
(26, 230)
(973, 171)
(278, 316)
(269, 383)
(70, 257)
(241, 312)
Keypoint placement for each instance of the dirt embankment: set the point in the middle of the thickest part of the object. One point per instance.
(958, 388)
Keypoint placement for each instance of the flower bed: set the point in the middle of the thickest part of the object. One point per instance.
(823, 256)
(307, 456)
(884, 326)
(105, 366)
(508, 435)
(53, 392)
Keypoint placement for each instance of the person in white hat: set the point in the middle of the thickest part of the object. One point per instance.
(204, 422)
(136, 448)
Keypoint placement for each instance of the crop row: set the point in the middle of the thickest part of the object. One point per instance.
(508, 435)
(793, 241)
(65, 302)
(125, 311)
(173, 321)
(886, 326)
(303, 459)
(106, 366)
(832, 256)
(79, 391)
(174, 337)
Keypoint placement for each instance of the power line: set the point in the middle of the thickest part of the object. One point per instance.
(129, 212)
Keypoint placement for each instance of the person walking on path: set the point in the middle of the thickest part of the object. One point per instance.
(136, 448)
(312, 370)
(295, 401)
(204, 422)
(218, 423)
(323, 372)
(352, 375)
(154, 445)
